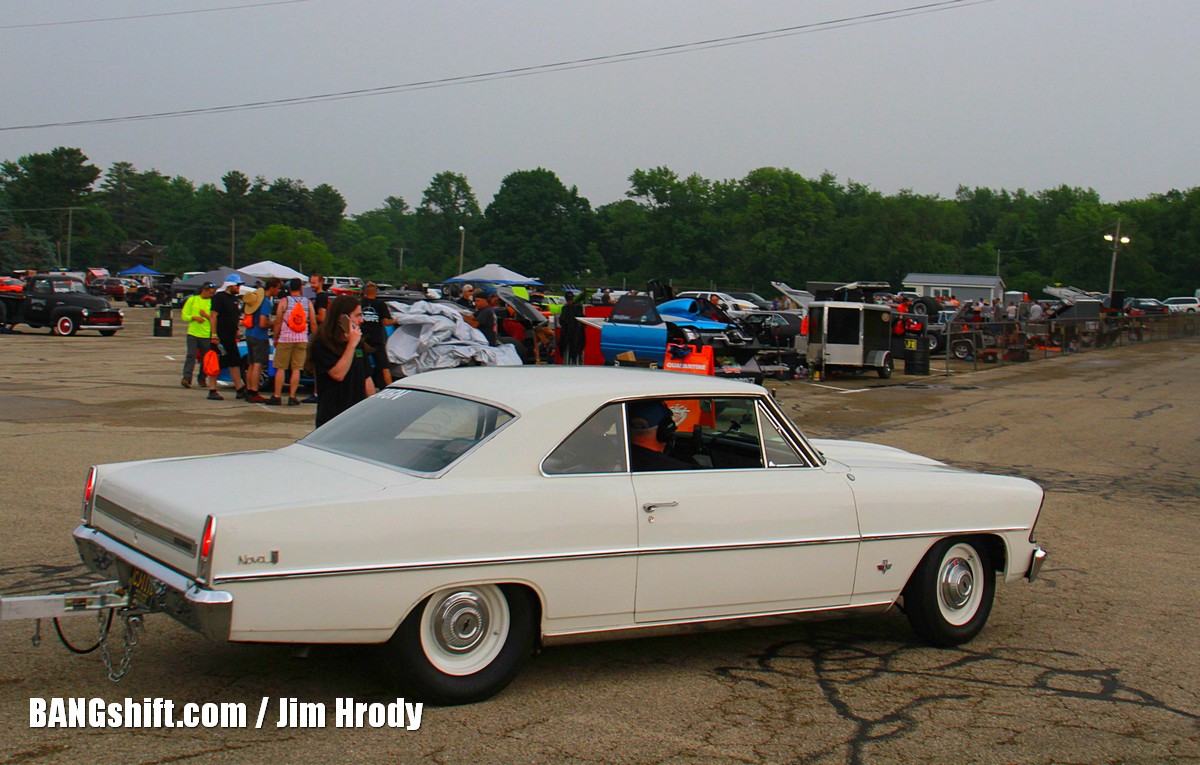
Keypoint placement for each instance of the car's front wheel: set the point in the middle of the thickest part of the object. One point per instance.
(949, 597)
(65, 326)
(463, 644)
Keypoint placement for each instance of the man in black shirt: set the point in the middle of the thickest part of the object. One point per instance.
(376, 316)
(488, 318)
(651, 428)
(227, 310)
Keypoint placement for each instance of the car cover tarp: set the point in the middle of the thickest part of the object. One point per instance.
(430, 336)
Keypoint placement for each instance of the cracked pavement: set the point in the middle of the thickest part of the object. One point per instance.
(1094, 662)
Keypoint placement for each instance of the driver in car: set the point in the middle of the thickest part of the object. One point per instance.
(651, 429)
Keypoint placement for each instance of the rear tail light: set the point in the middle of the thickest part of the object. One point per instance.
(89, 492)
(204, 569)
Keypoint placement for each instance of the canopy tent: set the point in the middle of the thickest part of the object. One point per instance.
(217, 277)
(268, 268)
(139, 270)
(495, 274)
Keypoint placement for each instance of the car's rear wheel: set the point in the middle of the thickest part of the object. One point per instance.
(949, 597)
(463, 644)
(65, 326)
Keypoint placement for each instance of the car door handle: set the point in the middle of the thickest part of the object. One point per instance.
(650, 507)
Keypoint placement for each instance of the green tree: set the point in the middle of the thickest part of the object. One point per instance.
(447, 204)
(296, 248)
(537, 226)
(40, 187)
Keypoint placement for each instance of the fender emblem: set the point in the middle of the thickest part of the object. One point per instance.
(883, 567)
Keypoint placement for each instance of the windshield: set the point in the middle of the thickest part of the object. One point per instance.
(412, 430)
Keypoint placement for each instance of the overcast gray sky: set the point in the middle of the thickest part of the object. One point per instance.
(1004, 93)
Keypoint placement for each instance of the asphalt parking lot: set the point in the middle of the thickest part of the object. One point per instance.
(1094, 662)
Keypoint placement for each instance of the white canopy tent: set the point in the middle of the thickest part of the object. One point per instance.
(494, 273)
(268, 268)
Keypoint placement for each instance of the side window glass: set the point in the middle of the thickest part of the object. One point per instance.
(598, 446)
(779, 452)
(720, 433)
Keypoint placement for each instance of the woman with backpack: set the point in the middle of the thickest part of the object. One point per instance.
(295, 322)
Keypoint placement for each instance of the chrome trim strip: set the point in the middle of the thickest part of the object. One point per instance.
(144, 525)
(710, 623)
(586, 555)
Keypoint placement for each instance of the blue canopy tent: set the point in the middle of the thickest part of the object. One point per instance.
(493, 274)
(139, 270)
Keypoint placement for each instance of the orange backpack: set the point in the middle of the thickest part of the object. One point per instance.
(297, 318)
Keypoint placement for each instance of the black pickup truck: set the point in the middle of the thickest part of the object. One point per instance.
(63, 304)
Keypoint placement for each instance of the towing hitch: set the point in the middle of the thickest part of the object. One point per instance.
(104, 599)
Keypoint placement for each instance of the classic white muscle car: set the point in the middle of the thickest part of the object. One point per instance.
(461, 516)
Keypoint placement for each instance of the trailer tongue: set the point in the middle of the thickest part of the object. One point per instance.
(104, 599)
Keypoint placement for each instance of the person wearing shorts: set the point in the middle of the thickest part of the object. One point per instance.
(291, 346)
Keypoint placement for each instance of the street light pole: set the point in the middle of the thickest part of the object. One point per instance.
(1117, 240)
(462, 243)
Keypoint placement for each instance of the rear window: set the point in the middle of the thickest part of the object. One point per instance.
(415, 431)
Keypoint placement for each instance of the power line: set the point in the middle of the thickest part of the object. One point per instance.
(528, 71)
(148, 15)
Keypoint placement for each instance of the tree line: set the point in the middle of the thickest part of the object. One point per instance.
(773, 224)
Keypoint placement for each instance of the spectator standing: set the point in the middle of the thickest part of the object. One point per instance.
(376, 317)
(467, 298)
(320, 299)
(1010, 313)
(197, 312)
(259, 306)
(342, 371)
(1035, 311)
(488, 319)
(295, 322)
(227, 313)
(573, 335)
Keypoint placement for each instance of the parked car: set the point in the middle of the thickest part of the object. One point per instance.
(344, 285)
(757, 300)
(420, 520)
(117, 288)
(1145, 307)
(735, 307)
(614, 294)
(11, 284)
(63, 304)
(1182, 304)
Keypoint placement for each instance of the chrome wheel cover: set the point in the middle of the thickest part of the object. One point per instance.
(958, 593)
(463, 629)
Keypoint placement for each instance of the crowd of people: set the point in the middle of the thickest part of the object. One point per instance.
(340, 341)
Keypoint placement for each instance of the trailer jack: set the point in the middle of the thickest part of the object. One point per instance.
(105, 599)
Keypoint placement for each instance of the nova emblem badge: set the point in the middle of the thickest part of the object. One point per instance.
(244, 560)
(883, 567)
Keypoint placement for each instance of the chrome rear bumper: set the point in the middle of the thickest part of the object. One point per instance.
(209, 612)
(1035, 564)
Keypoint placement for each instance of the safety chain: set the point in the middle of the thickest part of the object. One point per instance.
(133, 623)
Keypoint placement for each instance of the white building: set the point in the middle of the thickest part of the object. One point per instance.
(961, 286)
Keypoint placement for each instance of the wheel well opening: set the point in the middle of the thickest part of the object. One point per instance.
(996, 550)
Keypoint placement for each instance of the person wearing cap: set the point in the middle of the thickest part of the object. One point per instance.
(467, 298)
(291, 345)
(227, 313)
(197, 312)
(651, 428)
(259, 306)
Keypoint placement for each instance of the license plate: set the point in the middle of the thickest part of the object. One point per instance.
(143, 588)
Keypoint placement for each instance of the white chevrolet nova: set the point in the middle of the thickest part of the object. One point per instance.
(460, 517)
